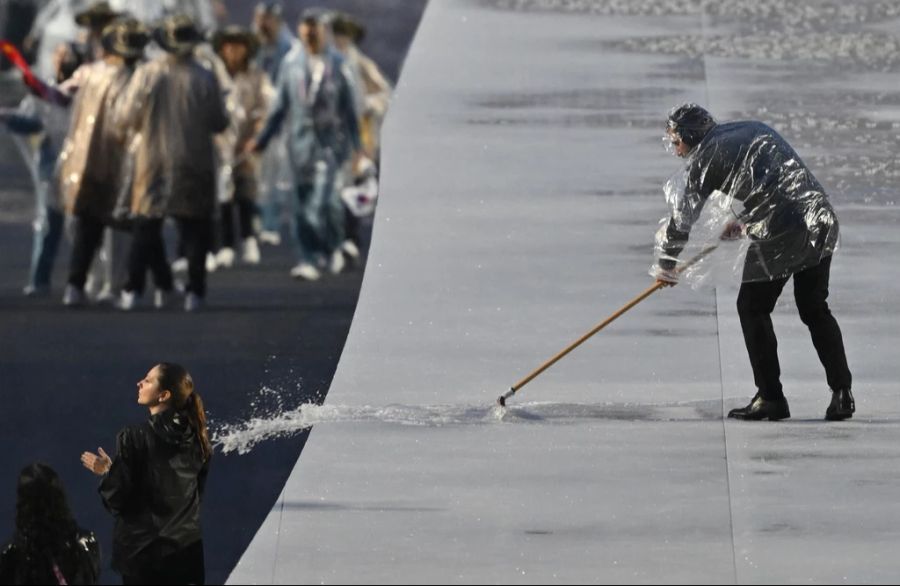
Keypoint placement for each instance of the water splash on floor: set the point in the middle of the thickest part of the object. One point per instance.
(242, 437)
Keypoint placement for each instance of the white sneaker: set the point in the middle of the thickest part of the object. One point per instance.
(160, 299)
(306, 272)
(224, 259)
(337, 264)
(192, 303)
(180, 265)
(73, 296)
(251, 254)
(211, 264)
(270, 237)
(352, 252)
(128, 300)
(36, 291)
(106, 295)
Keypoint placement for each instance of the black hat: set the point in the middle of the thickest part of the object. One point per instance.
(690, 122)
(270, 8)
(98, 14)
(236, 34)
(345, 25)
(313, 15)
(178, 34)
(126, 38)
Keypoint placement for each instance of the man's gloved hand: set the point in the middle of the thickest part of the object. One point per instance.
(666, 277)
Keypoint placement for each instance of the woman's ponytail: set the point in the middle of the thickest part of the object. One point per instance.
(197, 416)
(177, 380)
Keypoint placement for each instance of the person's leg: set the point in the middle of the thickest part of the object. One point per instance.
(755, 304)
(811, 294)
(352, 227)
(247, 213)
(196, 233)
(226, 225)
(188, 565)
(335, 220)
(309, 226)
(121, 238)
(157, 260)
(139, 255)
(245, 201)
(47, 237)
(88, 237)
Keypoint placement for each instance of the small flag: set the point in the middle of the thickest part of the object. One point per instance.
(15, 57)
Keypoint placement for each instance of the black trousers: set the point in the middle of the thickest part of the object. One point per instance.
(148, 252)
(352, 227)
(195, 235)
(755, 304)
(244, 194)
(88, 238)
(182, 567)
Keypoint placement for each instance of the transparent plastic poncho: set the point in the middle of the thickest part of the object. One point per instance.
(744, 208)
(173, 107)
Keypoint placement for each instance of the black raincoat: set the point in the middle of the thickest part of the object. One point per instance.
(786, 213)
(78, 564)
(154, 489)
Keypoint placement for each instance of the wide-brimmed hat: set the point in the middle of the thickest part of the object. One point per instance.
(345, 25)
(98, 14)
(178, 34)
(126, 37)
(236, 34)
(270, 8)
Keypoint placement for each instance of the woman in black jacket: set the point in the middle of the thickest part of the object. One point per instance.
(155, 485)
(48, 547)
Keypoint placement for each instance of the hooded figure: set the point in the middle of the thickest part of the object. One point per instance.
(792, 231)
(174, 105)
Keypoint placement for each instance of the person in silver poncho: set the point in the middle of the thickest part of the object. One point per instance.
(174, 106)
(92, 158)
(793, 232)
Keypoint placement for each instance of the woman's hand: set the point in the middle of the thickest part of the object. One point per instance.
(99, 463)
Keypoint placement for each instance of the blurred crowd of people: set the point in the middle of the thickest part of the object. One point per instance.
(152, 127)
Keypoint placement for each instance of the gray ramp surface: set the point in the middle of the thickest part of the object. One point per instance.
(521, 190)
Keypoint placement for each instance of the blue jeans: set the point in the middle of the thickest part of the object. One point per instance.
(48, 232)
(320, 215)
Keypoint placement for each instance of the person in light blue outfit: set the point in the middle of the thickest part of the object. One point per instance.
(315, 103)
(276, 40)
(276, 183)
(46, 124)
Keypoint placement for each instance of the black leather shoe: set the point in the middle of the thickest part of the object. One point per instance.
(842, 405)
(759, 408)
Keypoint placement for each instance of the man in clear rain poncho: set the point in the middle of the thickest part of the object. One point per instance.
(742, 182)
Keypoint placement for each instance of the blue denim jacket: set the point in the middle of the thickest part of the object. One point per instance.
(320, 118)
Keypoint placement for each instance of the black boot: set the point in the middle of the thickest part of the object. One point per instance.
(842, 405)
(759, 408)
